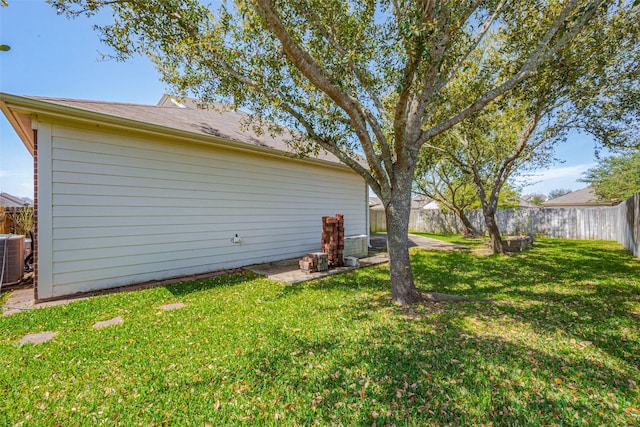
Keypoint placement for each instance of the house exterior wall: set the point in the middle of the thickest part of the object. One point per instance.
(118, 208)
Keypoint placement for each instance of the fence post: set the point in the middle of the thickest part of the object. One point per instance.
(5, 221)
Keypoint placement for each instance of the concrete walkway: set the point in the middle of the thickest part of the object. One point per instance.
(379, 241)
(288, 270)
(434, 244)
(24, 299)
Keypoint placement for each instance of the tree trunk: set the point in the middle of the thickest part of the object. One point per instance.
(494, 231)
(403, 290)
(468, 230)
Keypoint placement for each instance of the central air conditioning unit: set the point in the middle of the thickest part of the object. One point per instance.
(11, 258)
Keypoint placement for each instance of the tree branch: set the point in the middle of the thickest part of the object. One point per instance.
(303, 61)
(373, 122)
(407, 82)
(538, 56)
(92, 8)
(358, 72)
(333, 148)
(485, 29)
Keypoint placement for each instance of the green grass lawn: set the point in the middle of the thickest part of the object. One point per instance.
(559, 345)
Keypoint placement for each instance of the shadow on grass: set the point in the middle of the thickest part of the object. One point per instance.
(337, 352)
(577, 287)
(423, 371)
(580, 292)
(224, 280)
(581, 288)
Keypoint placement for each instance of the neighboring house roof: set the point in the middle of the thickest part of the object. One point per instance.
(375, 203)
(9, 201)
(526, 204)
(432, 205)
(418, 202)
(169, 115)
(585, 197)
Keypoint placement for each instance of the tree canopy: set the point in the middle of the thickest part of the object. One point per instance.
(520, 129)
(452, 185)
(558, 192)
(443, 181)
(537, 199)
(616, 177)
(369, 81)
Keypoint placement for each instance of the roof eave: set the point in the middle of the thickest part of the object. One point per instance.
(579, 205)
(21, 123)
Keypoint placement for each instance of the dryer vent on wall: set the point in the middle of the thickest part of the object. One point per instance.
(11, 257)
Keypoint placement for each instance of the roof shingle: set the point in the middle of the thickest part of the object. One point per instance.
(186, 116)
(583, 197)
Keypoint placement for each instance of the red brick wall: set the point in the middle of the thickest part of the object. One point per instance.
(35, 212)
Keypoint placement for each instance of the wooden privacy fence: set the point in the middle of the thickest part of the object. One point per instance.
(16, 220)
(620, 223)
(628, 226)
(5, 221)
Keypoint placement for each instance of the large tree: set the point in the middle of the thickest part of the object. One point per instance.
(615, 178)
(443, 181)
(491, 147)
(591, 87)
(440, 177)
(360, 79)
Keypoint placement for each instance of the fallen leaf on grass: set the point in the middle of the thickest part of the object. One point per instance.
(361, 392)
(427, 374)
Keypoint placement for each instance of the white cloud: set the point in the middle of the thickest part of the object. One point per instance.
(557, 177)
(574, 171)
(17, 183)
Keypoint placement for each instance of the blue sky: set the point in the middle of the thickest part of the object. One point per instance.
(54, 56)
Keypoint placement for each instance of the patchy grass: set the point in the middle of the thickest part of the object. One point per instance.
(560, 345)
(4, 296)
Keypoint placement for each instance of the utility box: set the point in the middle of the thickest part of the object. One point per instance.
(356, 246)
(11, 258)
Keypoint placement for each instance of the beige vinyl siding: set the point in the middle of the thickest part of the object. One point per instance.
(128, 209)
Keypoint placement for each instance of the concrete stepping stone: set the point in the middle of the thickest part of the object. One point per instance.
(172, 306)
(37, 338)
(115, 321)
